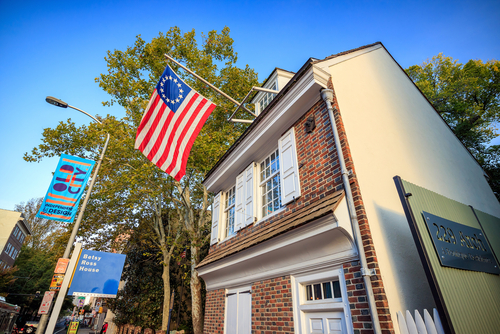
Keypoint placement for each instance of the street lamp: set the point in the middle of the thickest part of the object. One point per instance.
(62, 104)
(60, 297)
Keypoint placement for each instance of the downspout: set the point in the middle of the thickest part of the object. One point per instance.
(327, 96)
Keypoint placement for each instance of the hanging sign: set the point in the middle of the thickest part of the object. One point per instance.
(97, 274)
(66, 189)
(47, 300)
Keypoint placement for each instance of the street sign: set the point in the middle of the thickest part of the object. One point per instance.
(47, 300)
(97, 274)
(73, 327)
(56, 282)
(61, 266)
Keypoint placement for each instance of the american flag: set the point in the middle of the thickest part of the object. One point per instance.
(172, 120)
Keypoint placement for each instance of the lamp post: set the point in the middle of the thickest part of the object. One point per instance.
(61, 295)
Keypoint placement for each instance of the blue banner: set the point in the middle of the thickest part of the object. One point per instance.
(97, 274)
(66, 189)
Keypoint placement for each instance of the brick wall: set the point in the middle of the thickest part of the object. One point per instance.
(272, 310)
(317, 156)
(319, 175)
(214, 311)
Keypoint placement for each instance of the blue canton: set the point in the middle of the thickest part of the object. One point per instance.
(172, 89)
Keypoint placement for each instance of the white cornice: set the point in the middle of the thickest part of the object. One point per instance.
(316, 245)
(280, 118)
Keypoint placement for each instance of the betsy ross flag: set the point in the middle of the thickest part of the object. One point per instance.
(172, 120)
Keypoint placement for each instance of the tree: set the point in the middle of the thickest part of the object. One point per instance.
(130, 191)
(44, 232)
(467, 96)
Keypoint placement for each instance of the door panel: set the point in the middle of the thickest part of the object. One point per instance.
(324, 323)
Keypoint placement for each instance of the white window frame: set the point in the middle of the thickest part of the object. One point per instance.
(238, 292)
(227, 209)
(262, 184)
(301, 305)
(267, 97)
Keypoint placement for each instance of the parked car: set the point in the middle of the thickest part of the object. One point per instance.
(29, 327)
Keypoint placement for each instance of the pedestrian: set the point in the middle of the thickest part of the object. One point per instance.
(104, 328)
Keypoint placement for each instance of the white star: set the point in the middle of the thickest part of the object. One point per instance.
(161, 83)
(168, 100)
(180, 96)
(179, 85)
(163, 78)
(172, 101)
(177, 100)
(175, 80)
(180, 90)
(161, 89)
(163, 95)
(170, 77)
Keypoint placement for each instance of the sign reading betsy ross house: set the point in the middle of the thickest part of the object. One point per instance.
(97, 274)
(66, 189)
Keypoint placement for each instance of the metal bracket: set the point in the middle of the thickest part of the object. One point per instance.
(368, 272)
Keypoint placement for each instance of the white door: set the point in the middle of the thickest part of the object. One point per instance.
(324, 323)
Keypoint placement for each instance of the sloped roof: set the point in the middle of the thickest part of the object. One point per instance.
(315, 210)
(285, 90)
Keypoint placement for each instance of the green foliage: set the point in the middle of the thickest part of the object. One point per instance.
(467, 96)
(36, 267)
(7, 278)
(131, 194)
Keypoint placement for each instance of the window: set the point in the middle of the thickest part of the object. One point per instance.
(14, 255)
(267, 98)
(323, 290)
(16, 231)
(270, 185)
(8, 248)
(229, 208)
(21, 239)
(262, 188)
(320, 302)
(239, 311)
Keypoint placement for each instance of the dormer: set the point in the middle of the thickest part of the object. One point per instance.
(275, 82)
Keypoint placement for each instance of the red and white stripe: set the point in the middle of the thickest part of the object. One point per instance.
(165, 137)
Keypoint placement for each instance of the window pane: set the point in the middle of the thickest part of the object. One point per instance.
(317, 292)
(309, 292)
(270, 208)
(327, 290)
(336, 289)
(276, 204)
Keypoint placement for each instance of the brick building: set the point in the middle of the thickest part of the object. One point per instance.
(301, 244)
(13, 232)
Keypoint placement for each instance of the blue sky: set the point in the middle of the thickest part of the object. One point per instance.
(57, 48)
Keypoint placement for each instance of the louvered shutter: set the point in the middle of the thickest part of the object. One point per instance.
(249, 194)
(289, 168)
(239, 217)
(216, 209)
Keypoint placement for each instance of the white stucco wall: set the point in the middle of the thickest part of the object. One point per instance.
(393, 130)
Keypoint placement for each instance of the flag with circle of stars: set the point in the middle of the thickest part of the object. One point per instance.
(172, 89)
(171, 122)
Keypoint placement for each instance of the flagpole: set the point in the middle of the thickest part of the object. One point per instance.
(211, 86)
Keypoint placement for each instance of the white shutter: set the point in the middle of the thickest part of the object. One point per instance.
(232, 313)
(289, 168)
(216, 209)
(249, 194)
(244, 312)
(239, 216)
